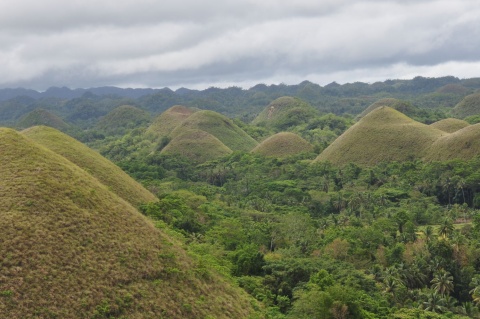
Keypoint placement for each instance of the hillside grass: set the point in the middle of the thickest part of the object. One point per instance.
(166, 122)
(469, 106)
(73, 249)
(197, 145)
(285, 112)
(382, 135)
(283, 144)
(220, 127)
(121, 119)
(91, 161)
(42, 117)
(396, 104)
(462, 144)
(450, 125)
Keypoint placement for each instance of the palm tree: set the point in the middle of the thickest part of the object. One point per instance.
(442, 282)
(435, 302)
(468, 309)
(446, 227)
(475, 291)
(428, 232)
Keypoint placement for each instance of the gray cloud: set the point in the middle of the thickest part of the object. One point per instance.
(201, 43)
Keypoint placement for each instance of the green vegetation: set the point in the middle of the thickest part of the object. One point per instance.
(401, 106)
(469, 106)
(121, 119)
(283, 144)
(384, 223)
(42, 117)
(284, 113)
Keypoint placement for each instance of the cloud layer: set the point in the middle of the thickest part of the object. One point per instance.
(191, 43)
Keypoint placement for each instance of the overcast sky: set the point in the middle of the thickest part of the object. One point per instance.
(198, 44)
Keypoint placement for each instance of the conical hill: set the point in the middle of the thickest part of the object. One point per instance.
(382, 135)
(121, 119)
(105, 171)
(42, 117)
(166, 122)
(462, 144)
(399, 105)
(283, 144)
(469, 106)
(219, 126)
(73, 249)
(285, 112)
(450, 125)
(197, 145)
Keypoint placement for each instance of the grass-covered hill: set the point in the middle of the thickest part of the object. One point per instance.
(462, 144)
(453, 88)
(42, 117)
(220, 127)
(283, 144)
(166, 122)
(121, 119)
(71, 248)
(285, 112)
(469, 106)
(450, 125)
(199, 146)
(399, 105)
(105, 171)
(384, 134)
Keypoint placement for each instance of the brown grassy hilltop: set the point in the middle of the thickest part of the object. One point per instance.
(450, 125)
(219, 126)
(105, 171)
(71, 248)
(469, 106)
(197, 145)
(283, 144)
(384, 134)
(461, 144)
(396, 104)
(166, 122)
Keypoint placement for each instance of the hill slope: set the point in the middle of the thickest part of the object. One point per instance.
(105, 171)
(73, 249)
(450, 125)
(283, 144)
(219, 126)
(121, 119)
(42, 117)
(399, 105)
(382, 135)
(197, 145)
(166, 122)
(469, 106)
(462, 144)
(285, 112)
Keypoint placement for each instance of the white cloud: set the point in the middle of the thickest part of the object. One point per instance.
(171, 43)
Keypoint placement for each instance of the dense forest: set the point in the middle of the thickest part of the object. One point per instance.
(249, 184)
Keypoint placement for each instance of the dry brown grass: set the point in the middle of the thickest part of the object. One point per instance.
(450, 125)
(166, 122)
(199, 146)
(382, 135)
(71, 248)
(105, 171)
(283, 144)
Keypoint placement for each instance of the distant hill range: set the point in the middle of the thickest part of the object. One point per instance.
(84, 107)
